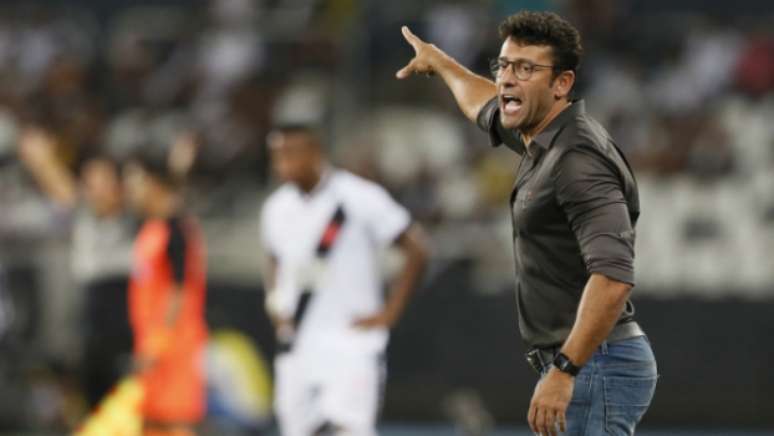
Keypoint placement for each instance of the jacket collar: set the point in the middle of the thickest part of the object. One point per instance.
(546, 138)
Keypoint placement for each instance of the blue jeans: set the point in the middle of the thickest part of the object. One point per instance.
(613, 390)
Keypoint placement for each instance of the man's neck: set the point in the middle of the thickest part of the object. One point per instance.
(313, 181)
(556, 109)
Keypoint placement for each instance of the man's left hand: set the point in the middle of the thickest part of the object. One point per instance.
(549, 403)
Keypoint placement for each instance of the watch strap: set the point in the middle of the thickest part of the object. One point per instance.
(564, 364)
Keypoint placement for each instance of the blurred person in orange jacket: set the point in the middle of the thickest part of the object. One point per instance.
(166, 300)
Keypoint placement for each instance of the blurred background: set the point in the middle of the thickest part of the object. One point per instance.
(686, 87)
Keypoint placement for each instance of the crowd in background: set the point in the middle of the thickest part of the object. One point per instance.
(688, 96)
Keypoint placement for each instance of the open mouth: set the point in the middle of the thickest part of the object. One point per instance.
(510, 104)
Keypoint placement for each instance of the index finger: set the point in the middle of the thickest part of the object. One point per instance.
(410, 37)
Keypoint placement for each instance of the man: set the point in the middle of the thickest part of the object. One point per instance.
(102, 234)
(574, 206)
(323, 230)
(166, 301)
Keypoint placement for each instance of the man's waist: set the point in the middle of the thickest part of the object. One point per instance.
(339, 333)
(351, 341)
(540, 358)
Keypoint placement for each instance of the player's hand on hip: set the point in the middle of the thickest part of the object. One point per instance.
(382, 319)
(547, 410)
(426, 56)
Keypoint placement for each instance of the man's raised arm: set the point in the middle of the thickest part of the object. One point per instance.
(470, 90)
(36, 151)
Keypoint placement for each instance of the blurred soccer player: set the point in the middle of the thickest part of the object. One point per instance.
(166, 301)
(323, 229)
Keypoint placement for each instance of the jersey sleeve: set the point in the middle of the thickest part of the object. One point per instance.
(176, 249)
(589, 191)
(385, 218)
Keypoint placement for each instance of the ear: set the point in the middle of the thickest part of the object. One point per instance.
(563, 84)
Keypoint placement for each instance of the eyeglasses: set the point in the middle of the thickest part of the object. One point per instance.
(521, 68)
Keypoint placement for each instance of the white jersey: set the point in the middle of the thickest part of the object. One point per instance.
(346, 283)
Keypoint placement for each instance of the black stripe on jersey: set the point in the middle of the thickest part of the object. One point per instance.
(331, 232)
(327, 240)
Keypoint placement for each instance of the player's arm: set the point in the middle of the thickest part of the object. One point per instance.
(270, 293)
(412, 244)
(269, 264)
(37, 152)
(470, 90)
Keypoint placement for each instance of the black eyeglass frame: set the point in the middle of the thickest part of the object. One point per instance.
(497, 65)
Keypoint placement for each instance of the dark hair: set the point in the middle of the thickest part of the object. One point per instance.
(156, 166)
(312, 130)
(546, 28)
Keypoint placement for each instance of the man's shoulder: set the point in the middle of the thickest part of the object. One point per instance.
(355, 185)
(585, 131)
(587, 144)
(585, 136)
(362, 196)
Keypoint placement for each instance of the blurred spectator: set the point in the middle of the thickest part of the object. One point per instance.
(683, 100)
(755, 70)
(101, 244)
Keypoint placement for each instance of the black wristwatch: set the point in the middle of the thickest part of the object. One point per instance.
(564, 364)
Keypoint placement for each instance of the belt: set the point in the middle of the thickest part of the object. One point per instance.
(540, 359)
